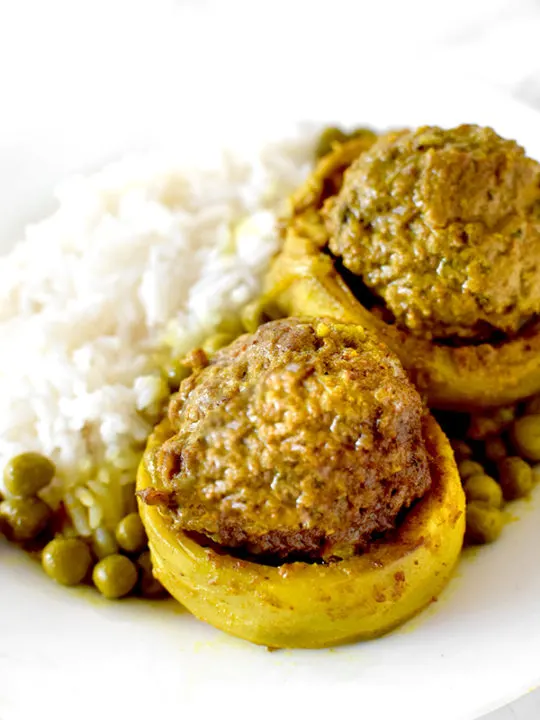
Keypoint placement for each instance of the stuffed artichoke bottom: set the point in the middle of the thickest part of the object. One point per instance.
(298, 494)
(430, 238)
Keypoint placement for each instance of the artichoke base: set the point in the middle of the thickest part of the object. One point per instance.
(301, 605)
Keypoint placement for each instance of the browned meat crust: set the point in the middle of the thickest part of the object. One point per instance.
(444, 226)
(302, 440)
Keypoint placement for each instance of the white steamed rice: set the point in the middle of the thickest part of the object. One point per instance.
(146, 251)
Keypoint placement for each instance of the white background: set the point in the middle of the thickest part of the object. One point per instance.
(92, 57)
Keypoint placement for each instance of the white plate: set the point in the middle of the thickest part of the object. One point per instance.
(69, 653)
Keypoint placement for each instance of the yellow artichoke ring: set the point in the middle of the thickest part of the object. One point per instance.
(301, 605)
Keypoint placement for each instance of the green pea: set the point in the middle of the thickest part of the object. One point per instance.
(24, 519)
(114, 576)
(329, 137)
(66, 560)
(495, 449)
(467, 468)
(175, 372)
(103, 543)
(130, 533)
(149, 586)
(526, 437)
(485, 489)
(515, 478)
(26, 474)
(361, 132)
(484, 523)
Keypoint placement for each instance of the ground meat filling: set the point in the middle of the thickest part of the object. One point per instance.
(303, 440)
(444, 227)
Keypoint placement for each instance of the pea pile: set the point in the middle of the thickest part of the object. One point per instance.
(116, 562)
(496, 454)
